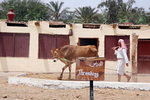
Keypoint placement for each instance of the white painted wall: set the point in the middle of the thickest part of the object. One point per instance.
(33, 64)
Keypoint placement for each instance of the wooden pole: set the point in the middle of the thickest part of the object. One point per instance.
(134, 56)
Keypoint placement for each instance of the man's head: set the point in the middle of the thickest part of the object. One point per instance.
(122, 44)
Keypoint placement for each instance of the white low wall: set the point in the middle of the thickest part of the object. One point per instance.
(59, 84)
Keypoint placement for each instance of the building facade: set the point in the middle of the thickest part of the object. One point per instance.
(27, 46)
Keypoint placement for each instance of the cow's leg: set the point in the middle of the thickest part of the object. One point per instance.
(69, 72)
(61, 75)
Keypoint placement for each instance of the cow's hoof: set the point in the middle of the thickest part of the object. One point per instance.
(59, 78)
(69, 78)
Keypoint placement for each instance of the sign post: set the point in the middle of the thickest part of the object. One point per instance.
(91, 90)
(90, 69)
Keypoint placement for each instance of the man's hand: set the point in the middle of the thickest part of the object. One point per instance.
(127, 64)
(115, 48)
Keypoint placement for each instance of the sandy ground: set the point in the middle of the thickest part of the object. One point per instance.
(108, 77)
(21, 92)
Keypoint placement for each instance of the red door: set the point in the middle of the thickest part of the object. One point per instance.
(144, 56)
(48, 42)
(112, 41)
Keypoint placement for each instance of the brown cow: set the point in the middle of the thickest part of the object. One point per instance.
(68, 54)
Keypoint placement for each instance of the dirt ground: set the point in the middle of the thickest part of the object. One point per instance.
(108, 77)
(21, 92)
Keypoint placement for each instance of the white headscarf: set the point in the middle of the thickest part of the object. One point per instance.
(123, 45)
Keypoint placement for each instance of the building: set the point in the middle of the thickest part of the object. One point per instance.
(27, 46)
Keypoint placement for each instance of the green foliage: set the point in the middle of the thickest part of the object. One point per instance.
(86, 14)
(68, 17)
(138, 16)
(113, 11)
(148, 17)
(56, 10)
(25, 10)
(117, 11)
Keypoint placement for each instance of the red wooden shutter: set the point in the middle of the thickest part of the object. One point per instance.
(42, 46)
(62, 40)
(46, 43)
(21, 45)
(6, 45)
(112, 41)
(143, 56)
(51, 44)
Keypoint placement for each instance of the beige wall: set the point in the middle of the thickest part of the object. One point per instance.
(33, 64)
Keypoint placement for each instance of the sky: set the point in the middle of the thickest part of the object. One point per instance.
(72, 4)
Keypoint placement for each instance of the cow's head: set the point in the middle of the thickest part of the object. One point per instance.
(93, 50)
(55, 54)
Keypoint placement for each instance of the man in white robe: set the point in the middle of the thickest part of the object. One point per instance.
(122, 59)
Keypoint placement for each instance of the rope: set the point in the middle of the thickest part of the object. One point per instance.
(116, 70)
(66, 60)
